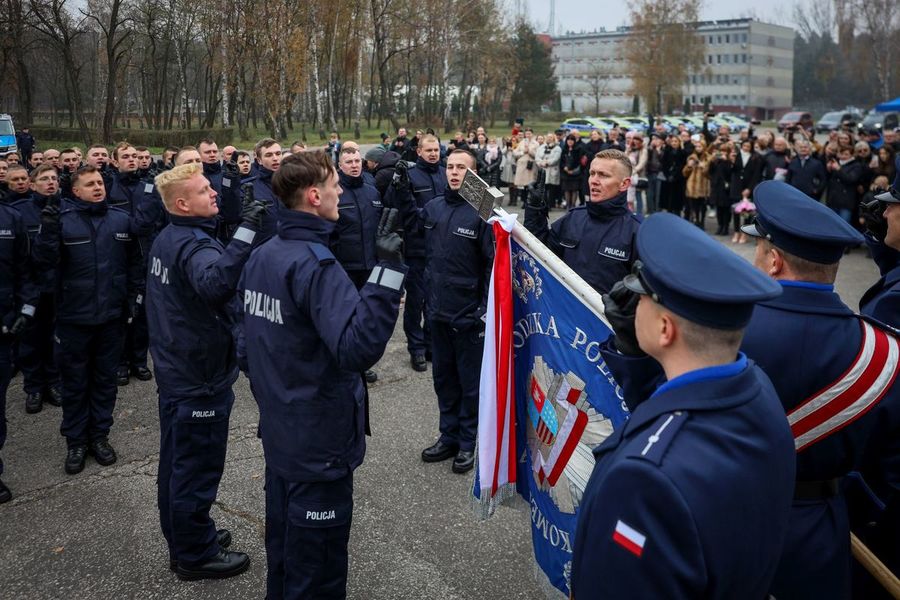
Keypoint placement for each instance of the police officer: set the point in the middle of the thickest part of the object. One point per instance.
(309, 335)
(18, 299)
(18, 183)
(812, 346)
(882, 219)
(596, 240)
(268, 161)
(191, 312)
(427, 180)
(41, 377)
(99, 286)
(459, 256)
(360, 212)
(690, 497)
(820, 356)
(127, 193)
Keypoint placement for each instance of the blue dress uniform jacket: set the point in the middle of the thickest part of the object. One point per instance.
(192, 308)
(666, 511)
(360, 211)
(596, 241)
(228, 188)
(125, 191)
(882, 300)
(804, 340)
(309, 334)
(30, 209)
(97, 260)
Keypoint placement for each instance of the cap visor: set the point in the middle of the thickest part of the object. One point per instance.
(751, 230)
(887, 197)
(634, 284)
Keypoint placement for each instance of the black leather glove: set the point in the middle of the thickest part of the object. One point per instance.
(872, 214)
(231, 169)
(388, 243)
(400, 181)
(620, 306)
(20, 324)
(254, 213)
(65, 180)
(247, 196)
(50, 212)
(534, 198)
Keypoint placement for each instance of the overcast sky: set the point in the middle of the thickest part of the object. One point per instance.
(572, 15)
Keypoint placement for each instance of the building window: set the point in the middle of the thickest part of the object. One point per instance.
(719, 39)
(771, 40)
(743, 38)
(770, 81)
(727, 59)
(710, 39)
(718, 59)
(744, 58)
(727, 39)
(709, 59)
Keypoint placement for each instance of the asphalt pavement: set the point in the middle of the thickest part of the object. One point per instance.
(96, 534)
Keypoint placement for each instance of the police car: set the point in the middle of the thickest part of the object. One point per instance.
(7, 135)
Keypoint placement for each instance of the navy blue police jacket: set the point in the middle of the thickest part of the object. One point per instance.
(308, 336)
(360, 210)
(30, 208)
(690, 497)
(99, 268)
(125, 191)
(192, 309)
(882, 300)
(18, 293)
(426, 181)
(597, 240)
(459, 258)
(228, 187)
(262, 190)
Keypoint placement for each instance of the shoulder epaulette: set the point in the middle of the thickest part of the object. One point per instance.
(654, 441)
(322, 253)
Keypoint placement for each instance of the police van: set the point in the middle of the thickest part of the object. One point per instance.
(7, 135)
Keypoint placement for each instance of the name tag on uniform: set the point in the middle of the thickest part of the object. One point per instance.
(6, 234)
(614, 253)
(148, 188)
(123, 236)
(465, 232)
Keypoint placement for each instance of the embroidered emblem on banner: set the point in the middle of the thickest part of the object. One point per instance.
(526, 276)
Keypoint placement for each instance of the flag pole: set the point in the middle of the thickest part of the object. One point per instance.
(875, 567)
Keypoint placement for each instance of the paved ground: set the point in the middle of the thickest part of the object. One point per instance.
(96, 535)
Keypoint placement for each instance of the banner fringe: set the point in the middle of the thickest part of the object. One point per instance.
(485, 506)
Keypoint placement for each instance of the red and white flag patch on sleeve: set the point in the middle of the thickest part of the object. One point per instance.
(629, 538)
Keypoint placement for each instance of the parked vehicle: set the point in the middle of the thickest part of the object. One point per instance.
(585, 125)
(839, 119)
(7, 135)
(795, 119)
(881, 121)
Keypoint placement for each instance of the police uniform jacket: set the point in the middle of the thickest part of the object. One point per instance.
(426, 182)
(309, 334)
(596, 240)
(124, 191)
(192, 307)
(460, 255)
(262, 190)
(228, 187)
(98, 262)
(882, 300)
(30, 208)
(360, 210)
(690, 497)
(18, 294)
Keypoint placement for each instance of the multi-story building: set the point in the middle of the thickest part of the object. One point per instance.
(748, 67)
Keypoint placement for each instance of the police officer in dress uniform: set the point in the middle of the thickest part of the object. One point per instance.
(41, 377)
(690, 497)
(360, 213)
(268, 161)
(18, 301)
(459, 257)
(99, 287)
(424, 182)
(309, 334)
(596, 240)
(882, 300)
(812, 346)
(192, 309)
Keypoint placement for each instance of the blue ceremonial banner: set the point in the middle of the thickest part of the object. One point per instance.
(547, 397)
(567, 402)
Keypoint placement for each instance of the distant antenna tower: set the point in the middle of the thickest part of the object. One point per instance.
(552, 29)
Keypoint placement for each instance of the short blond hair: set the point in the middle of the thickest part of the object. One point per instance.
(167, 182)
